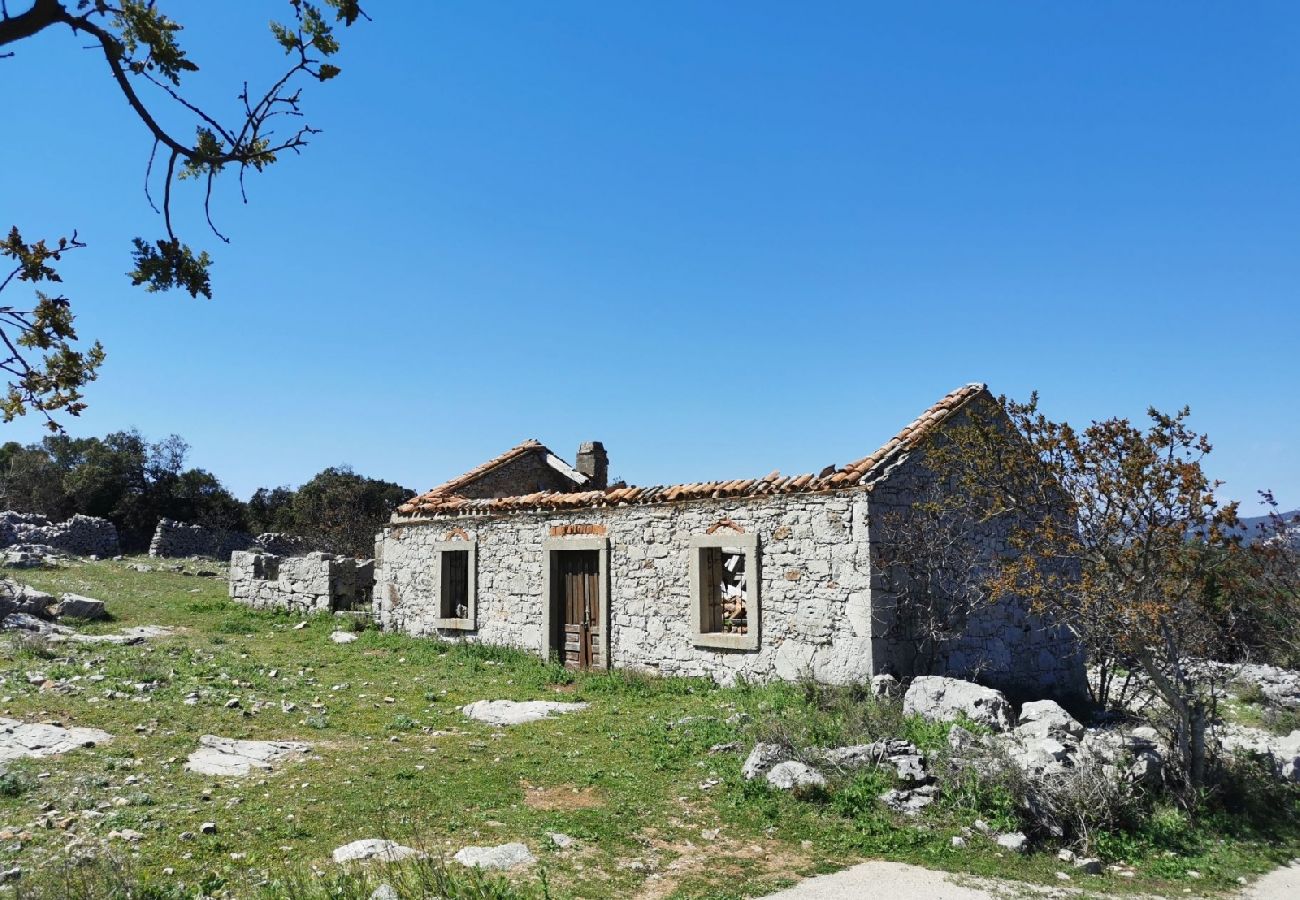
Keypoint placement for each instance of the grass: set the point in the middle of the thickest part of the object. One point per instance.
(632, 777)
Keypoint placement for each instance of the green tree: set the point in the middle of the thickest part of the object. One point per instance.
(341, 511)
(143, 55)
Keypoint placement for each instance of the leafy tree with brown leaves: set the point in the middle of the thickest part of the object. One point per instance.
(143, 55)
(1114, 530)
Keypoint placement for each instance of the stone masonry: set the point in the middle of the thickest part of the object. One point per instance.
(173, 539)
(317, 582)
(819, 608)
(77, 536)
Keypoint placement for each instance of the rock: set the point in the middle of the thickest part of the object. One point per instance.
(21, 739)
(761, 760)
(792, 774)
(13, 874)
(208, 828)
(372, 848)
(957, 842)
(22, 598)
(1040, 757)
(126, 834)
(884, 687)
(905, 759)
(909, 802)
(137, 635)
(25, 622)
(560, 840)
(343, 637)
(511, 712)
(1047, 718)
(504, 856)
(1065, 856)
(79, 607)
(227, 757)
(384, 892)
(945, 699)
(1089, 865)
(1015, 842)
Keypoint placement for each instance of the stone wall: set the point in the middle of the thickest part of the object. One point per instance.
(823, 611)
(525, 475)
(317, 582)
(1004, 644)
(78, 536)
(814, 583)
(174, 539)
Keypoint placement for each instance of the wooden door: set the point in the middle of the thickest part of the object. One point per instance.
(579, 586)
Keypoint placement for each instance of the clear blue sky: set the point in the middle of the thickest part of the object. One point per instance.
(722, 238)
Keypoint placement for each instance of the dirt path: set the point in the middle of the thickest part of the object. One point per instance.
(899, 881)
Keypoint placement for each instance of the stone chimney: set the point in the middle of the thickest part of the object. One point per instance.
(594, 463)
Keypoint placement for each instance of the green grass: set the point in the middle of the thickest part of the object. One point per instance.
(631, 778)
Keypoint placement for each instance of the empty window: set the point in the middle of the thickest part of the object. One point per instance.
(454, 602)
(455, 585)
(724, 588)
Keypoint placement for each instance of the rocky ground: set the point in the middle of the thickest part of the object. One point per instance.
(201, 746)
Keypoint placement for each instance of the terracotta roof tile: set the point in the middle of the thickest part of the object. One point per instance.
(443, 500)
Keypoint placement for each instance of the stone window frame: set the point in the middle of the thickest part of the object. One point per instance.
(470, 621)
(749, 544)
(550, 546)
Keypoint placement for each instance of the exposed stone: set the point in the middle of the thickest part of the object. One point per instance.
(792, 774)
(945, 699)
(1043, 718)
(504, 856)
(78, 607)
(906, 760)
(373, 848)
(885, 686)
(1016, 842)
(911, 801)
(228, 757)
(384, 892)
(23, 739)
(561, 840)
(512, 712)
(208, 828)
(343, 637)
(761, 760)
(1089, 865)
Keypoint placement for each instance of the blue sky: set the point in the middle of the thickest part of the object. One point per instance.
(722, 238)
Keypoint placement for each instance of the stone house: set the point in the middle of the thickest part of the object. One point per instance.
(758, 578)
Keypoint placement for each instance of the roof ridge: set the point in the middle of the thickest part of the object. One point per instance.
(443, 499)
(449, 487)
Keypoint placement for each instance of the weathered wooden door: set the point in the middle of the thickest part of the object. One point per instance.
(579, 587)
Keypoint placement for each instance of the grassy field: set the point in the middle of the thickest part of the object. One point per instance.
(632, 778)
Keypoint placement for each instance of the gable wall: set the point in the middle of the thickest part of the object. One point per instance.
(815, 603)
(524, 475)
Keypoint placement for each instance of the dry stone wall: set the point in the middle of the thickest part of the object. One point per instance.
(317, 582)
(78, 536)
(174, 539)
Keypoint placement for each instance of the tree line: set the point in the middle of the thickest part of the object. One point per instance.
(132, 482)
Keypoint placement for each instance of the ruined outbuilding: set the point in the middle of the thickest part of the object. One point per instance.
(757, 578)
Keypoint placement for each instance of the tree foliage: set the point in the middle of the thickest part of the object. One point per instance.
(1115, 530)
(141, 47)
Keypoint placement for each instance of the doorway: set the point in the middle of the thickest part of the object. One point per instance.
(577, 617)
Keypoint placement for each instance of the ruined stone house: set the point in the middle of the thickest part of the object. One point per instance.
(757, 578)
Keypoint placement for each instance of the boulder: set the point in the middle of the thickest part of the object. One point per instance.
(78, 607)
(792, 774)
(943, 699)
(1016, 842)
(504, 856)
(372, 848)
(761, 760)
(906, 760)
(511, 712)
(1044, 718)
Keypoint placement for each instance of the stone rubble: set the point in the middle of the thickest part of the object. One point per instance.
(511, 712)
(791, 775)
(943, 699)
(228, 757)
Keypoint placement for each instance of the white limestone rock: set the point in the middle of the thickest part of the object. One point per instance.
(761, 760)
(944, 699)
(80, 607)
(512, 712)
(373, 848)
(1016, 842)
(792, 774)
(227, 757)
(1044, 718)
(25, 739)
(343, 637)
(504, 856)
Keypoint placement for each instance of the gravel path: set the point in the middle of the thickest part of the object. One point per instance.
(899, 881)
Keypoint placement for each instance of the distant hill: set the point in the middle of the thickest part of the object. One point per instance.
(1250, 525)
